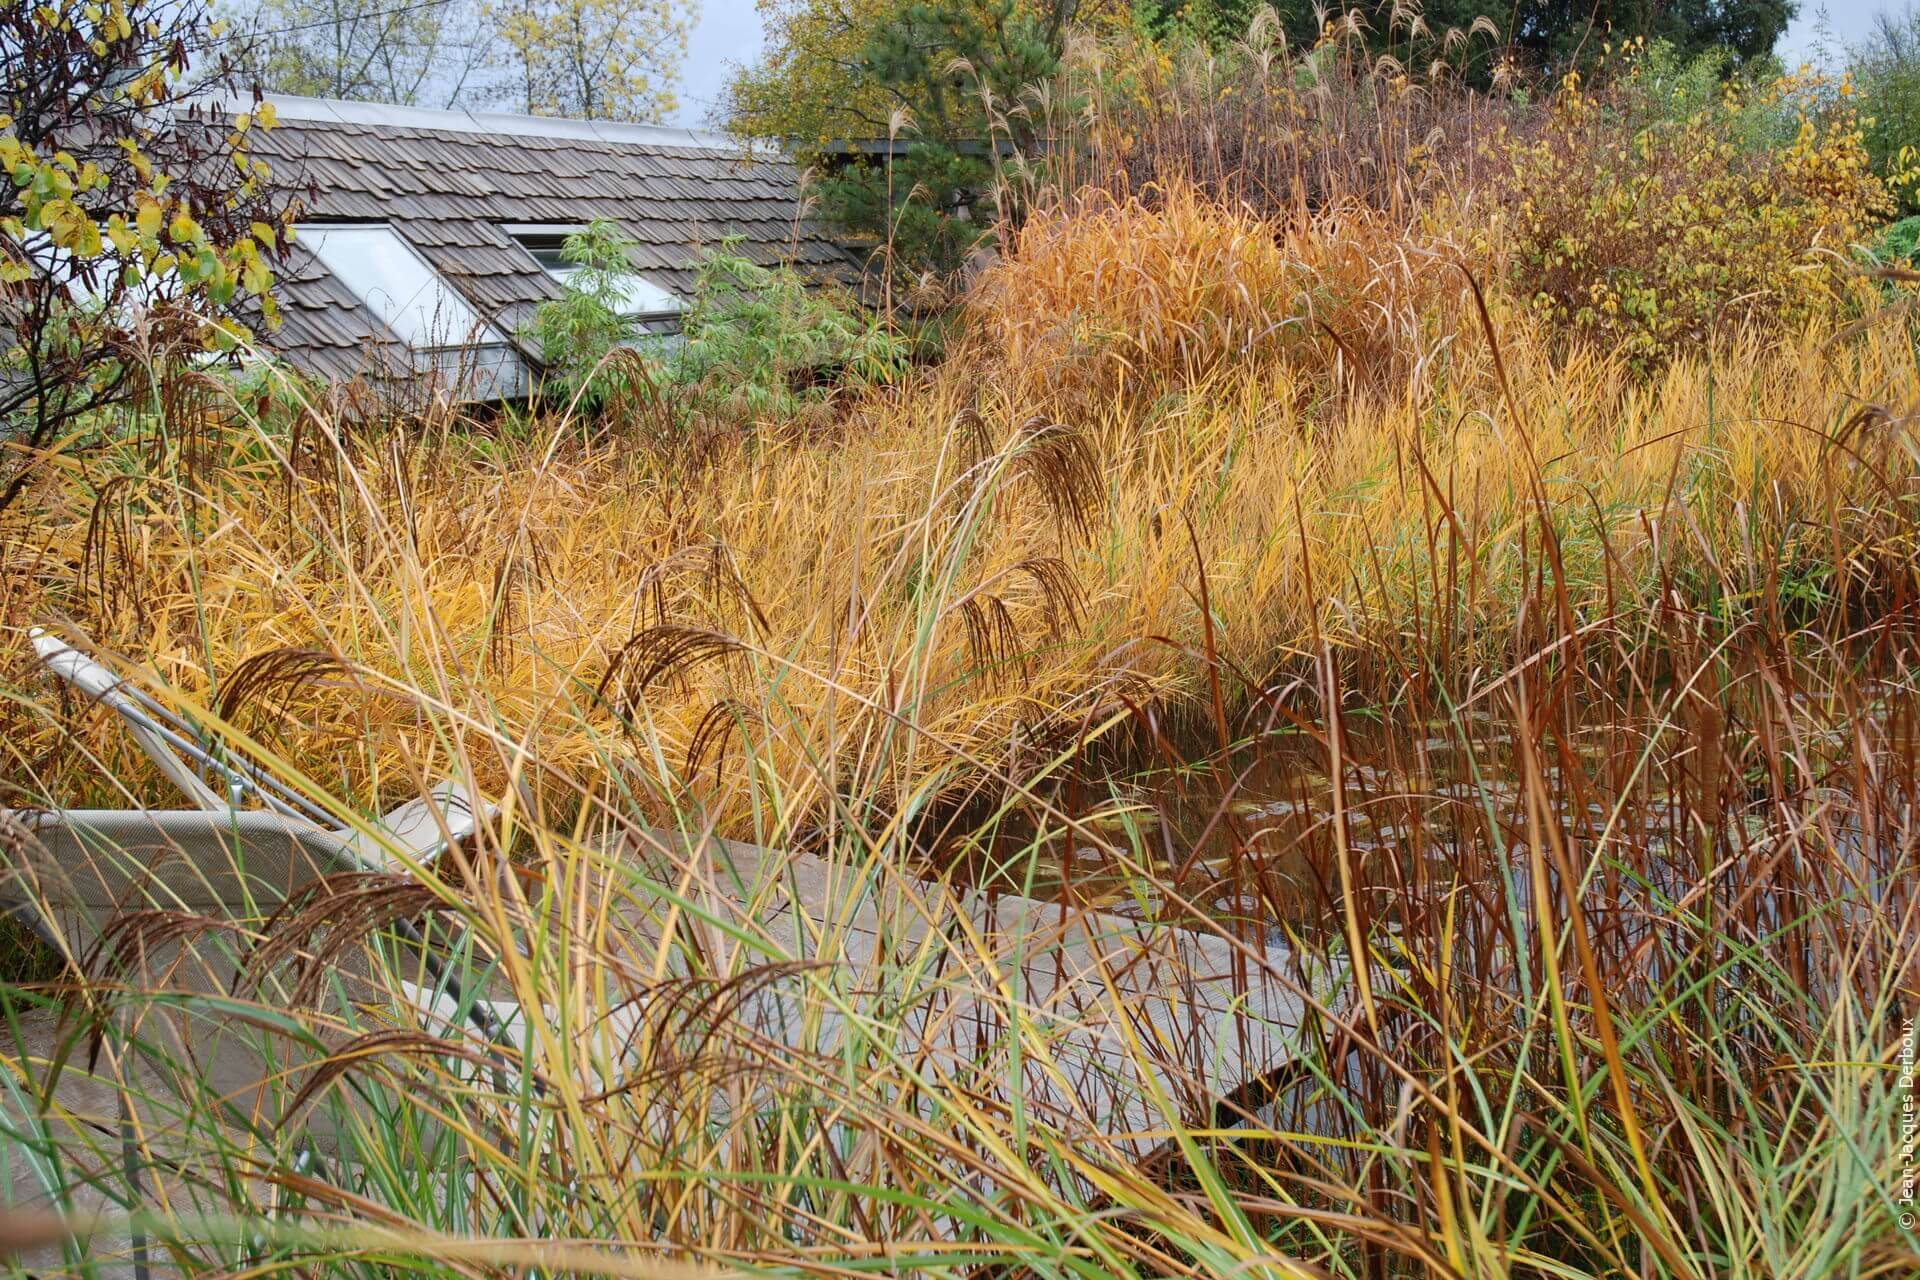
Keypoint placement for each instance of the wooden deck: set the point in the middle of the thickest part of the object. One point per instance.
(917, 989)
(1125, 1025)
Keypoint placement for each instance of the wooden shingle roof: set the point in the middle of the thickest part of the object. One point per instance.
(450, 182)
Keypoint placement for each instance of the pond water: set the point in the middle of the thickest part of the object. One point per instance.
(1650, 818)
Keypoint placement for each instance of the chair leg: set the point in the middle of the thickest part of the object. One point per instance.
(130, 1162)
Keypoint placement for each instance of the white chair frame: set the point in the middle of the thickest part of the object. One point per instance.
(421, 828)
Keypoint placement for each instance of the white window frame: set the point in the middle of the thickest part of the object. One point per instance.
(481, 334)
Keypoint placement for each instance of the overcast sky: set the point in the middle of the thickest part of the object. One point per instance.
(728, 32)
(1846, 21)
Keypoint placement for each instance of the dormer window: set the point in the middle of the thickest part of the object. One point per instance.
(546, 243)
(398, 285)
(548, 247)
(421, 310)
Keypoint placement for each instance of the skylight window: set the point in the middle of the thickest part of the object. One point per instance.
(547, 246)
(399, 286)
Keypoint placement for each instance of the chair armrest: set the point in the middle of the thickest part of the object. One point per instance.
(422, 826)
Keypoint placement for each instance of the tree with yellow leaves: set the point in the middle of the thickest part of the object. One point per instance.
(812, 84)
(135, 225)
(593, 59)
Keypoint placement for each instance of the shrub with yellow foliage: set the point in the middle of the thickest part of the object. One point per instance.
(1647, 230)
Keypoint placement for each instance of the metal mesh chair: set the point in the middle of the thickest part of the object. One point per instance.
(166, 906)
(221, 860)
(162, 911)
